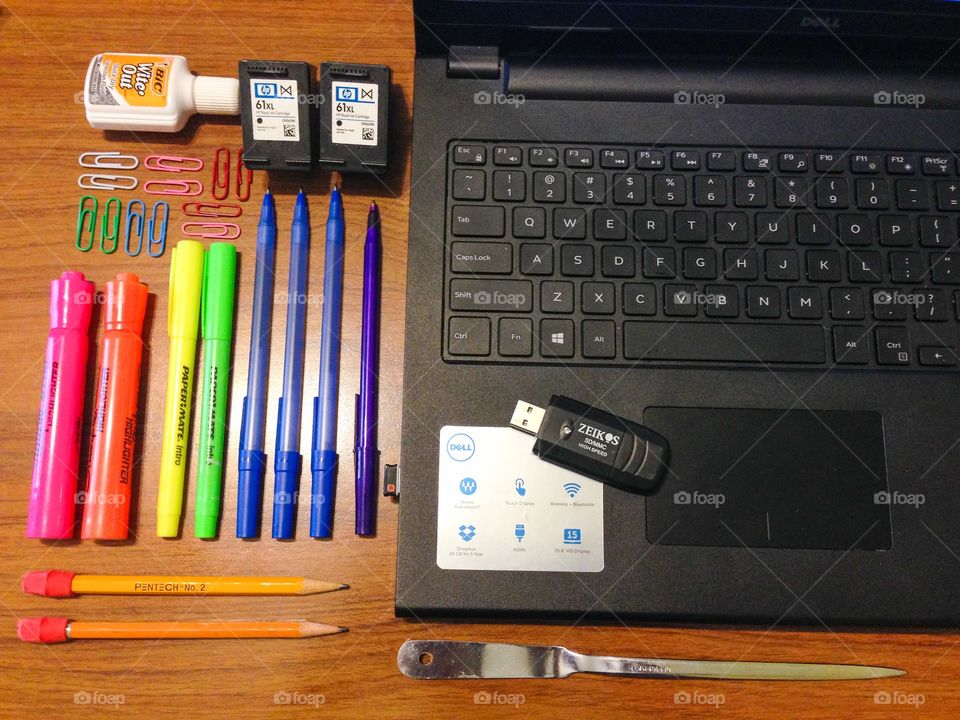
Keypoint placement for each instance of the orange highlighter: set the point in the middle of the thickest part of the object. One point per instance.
(106, 506)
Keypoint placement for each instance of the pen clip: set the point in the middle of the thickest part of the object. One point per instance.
(356, 422)
(171, 295)
(204, 297)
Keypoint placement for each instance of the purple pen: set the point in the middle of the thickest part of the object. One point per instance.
(367, 456)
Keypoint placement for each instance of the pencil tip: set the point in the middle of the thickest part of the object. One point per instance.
(343, 629)
(344, 586)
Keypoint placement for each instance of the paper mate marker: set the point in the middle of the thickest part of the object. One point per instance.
(132, 91)
(106, 502)
(53, 489)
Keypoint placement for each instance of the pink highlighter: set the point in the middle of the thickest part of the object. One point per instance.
(53, 489)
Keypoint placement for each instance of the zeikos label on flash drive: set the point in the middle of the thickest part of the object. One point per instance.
(276, 115)
(354, 108)
(500, 507)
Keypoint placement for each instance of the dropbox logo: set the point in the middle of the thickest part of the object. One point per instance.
(460, 447)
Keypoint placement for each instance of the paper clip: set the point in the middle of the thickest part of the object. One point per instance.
(173, 187)
(86, 221)
(221, 173)
(172, 163)
(138, 215)
(110, 228)
(204, 209)
(152, 239)
(244, 178)
(92, 181)
(220, 231)
(108, 160)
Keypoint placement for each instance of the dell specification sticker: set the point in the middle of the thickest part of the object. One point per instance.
(354, 107)
(500, 507)
(276, 112)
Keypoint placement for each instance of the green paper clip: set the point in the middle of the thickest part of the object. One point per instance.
(110, 230)
(86, 216)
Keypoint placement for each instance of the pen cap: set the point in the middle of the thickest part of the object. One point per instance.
(71, 302)
(219, 283)
(126, 303)
(186, 283)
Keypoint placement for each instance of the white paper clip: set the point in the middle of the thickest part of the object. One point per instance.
(92, 181)
(108, 160)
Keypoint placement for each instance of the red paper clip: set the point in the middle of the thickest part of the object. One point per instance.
(172, 163)
(221, 173)
(173, 187)
(205, 209)
(219, 231)
(244, 178)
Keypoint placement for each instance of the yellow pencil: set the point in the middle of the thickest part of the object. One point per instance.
(62, 583)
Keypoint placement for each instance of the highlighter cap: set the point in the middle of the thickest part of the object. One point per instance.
(186, 283)
(219, 285)
(126, 303)
(71, 302)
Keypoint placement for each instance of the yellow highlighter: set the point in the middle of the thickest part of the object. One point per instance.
(186, 281)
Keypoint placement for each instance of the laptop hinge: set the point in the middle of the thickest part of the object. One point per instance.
(473, 61)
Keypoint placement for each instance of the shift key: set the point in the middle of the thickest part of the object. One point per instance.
(481, 258)
(477, 220)
(491, 295)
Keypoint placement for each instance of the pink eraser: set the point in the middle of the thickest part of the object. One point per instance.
(49, 583)
(42, 629)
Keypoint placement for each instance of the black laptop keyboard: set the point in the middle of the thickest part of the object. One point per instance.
(617, 255)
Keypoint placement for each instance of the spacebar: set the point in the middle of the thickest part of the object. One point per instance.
(724, 342)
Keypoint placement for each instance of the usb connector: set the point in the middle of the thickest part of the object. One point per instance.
(527, 417)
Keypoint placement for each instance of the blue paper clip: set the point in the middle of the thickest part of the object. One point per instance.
(110, 228)
(86, 222)
(152, 239)
(138, 215)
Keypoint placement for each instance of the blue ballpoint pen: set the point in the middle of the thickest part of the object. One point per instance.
(324, 448)
(253, 461)
(287, 461)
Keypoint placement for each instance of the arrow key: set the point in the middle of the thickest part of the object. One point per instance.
(937, 356)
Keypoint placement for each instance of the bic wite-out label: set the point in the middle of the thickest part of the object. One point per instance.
(354, 108)
(275, 110)
(500, 507)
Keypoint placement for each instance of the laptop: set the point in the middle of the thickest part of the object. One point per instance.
(735, 224)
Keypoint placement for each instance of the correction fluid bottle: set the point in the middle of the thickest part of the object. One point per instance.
(126, 91)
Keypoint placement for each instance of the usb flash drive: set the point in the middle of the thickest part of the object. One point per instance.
(595, 443)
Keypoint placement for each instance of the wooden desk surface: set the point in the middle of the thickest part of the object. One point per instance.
(44, 51)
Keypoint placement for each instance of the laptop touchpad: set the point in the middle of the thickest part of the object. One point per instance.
(771, 478)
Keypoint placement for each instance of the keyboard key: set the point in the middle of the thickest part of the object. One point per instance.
(740, 264)
(659, 262)
(906, 267)
(901, 164)
(690, 227)
(556, 297)
(578, 157)
(477, 220)
(536, 259)
(613, 159)
(865, 266)
(556, 338)
(814, 229)
(888, 304)
(912, 195)
(791, 192)
(650, 160)
(481, 258)
(669, 190)
(832, 193)
(679, 300)
(515, 337)
(937, 356)
(948, 195)
(794, 162)
(599, 339)
(896, 230)
(850, 345)
(629, 189)
(945, 268)
(750, 191)
(597, 298)
(854, 229)
(617, 261)
(650, 225)
(469, 336)
(699, 263)
(491, 295)
(866, 163)
(507, 155)
(936, 164)
(931, 306)
(721, 301)
(893, 346)
(544, 157)
(731, 228)
(469, 154)
(639, 299)
(803, 303)
(872, 193)
(757, 162)
(773, 229)
(609, 224)
(549, 187)
(823, 266)
(829, 162)
(685, 160)
(846, 303)
(720, 160)
(763, 302)
(529, 222)
(727, 342)
(469, 184)
(589, 187)
(938, 231)
(782, 265)
(569, 224)
(576, 260)
(710, 190)
(509, 186)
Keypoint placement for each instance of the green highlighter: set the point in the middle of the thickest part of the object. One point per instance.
(216, 320)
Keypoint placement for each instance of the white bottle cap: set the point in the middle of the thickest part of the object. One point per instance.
(216, 95)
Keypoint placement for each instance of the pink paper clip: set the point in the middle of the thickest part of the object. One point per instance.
(219, 231)
(221, 173)
(244, 178)
(173, 187)
(205, 209)
(172, 163)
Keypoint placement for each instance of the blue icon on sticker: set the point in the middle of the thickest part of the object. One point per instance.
(521, 490)
(346, 93)
(265, 89)
(571, 489)
(468, 486)
(460, 447)
(571, 536)
(520, 530)
(467, 532)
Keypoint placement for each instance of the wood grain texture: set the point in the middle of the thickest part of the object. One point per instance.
(44, 51)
